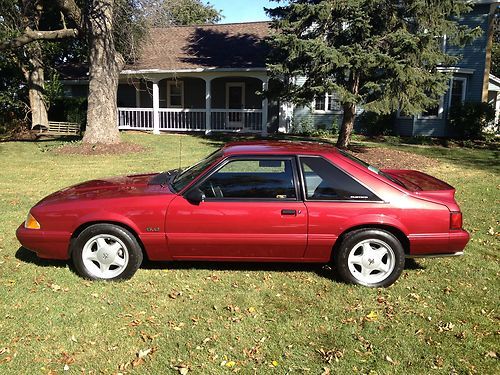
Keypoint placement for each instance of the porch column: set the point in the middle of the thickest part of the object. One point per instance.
(265, 105)
(156, 107)
(137, 86)
(208, 105)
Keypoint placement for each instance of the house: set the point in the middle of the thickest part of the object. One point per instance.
(470, 82)
(199, 78)
(210, 79)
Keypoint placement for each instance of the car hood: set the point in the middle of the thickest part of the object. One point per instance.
(108, 188)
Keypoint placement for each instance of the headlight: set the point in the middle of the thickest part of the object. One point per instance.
(31, 222)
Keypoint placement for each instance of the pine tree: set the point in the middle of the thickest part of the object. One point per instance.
(382, 55)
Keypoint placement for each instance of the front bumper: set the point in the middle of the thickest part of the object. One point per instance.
(46, 244)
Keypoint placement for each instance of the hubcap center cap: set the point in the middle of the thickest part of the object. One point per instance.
(371, 262)
(105, 256)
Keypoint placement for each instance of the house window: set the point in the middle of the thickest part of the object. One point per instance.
(319, 103)
(435, 112)
(175, 94)
(457, 91)
(326, 103)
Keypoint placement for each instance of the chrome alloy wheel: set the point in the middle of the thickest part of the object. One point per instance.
(371, 261)
(105, 256)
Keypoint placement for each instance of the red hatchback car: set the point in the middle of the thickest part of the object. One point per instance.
(253, 201)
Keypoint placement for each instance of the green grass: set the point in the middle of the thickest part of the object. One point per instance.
(441, 317)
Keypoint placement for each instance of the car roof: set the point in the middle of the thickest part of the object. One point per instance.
(278, 147)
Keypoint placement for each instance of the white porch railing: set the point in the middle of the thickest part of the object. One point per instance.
(248, 120)
(135, 118)
(180, 119)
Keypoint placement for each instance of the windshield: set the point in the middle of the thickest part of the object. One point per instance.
(187, 175)
(371, 168)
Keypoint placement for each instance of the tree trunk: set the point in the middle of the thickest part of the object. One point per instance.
(349, 114)
(35, 79)
(347, 125)
(105, 66)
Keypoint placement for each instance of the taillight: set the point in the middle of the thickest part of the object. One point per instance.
(455, 220)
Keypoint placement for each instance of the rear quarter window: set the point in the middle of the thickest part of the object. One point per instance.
(324, 181)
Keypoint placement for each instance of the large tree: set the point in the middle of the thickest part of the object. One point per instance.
(379, 54)
(179, 12)
(94, 21)
(22, 22)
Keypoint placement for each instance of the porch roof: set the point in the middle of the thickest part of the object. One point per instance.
(222, 46)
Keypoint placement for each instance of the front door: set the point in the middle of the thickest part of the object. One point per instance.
(235, 100)
(252, 211)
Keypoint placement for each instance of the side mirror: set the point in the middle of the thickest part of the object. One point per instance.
(195, 196)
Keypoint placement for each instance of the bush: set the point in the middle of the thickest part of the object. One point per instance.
(468, 120)
(305, 127)
(374, 124)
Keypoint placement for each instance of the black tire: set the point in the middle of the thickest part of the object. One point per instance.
(106, 252)
(377, 258)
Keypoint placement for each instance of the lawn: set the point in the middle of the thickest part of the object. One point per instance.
(441, 317)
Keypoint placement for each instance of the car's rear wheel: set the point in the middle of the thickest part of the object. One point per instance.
(106, 252)
(370, 257)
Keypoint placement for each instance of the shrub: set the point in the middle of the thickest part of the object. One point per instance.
(374, 124)
(469, 119)
(304, 126)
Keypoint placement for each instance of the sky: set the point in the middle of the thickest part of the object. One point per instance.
(242, 10)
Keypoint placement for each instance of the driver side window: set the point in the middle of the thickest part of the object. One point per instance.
(252, 179)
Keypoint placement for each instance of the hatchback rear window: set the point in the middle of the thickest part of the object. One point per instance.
(372, 168)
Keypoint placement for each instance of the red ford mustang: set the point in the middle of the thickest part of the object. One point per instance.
(253, 201)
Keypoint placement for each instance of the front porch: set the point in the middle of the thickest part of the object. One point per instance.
(215, 102)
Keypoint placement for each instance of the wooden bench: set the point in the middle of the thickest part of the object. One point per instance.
(60, 128)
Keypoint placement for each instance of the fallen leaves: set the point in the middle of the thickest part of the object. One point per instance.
(57, 288)
(331, 355)
(491, 354)
(7, 358)
(174, 294)
(371, 317)
(438, 362)
(445, 327)
(390, 360)
(139, 359)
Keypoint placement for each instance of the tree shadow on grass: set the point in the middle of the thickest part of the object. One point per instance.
(27, 256)
(45, 139)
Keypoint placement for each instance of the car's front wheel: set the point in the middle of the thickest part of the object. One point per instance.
(370, 257)
(106, 252)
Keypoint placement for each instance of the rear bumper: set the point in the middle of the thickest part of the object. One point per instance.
(438, 244)
(46, 244)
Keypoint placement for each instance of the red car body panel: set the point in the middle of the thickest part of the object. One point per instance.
(171, 228)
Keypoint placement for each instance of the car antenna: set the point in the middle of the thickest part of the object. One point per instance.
(180, 151)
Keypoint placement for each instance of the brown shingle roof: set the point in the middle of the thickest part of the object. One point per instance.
(237, 45)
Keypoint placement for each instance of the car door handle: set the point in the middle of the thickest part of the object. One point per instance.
(289, 212)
